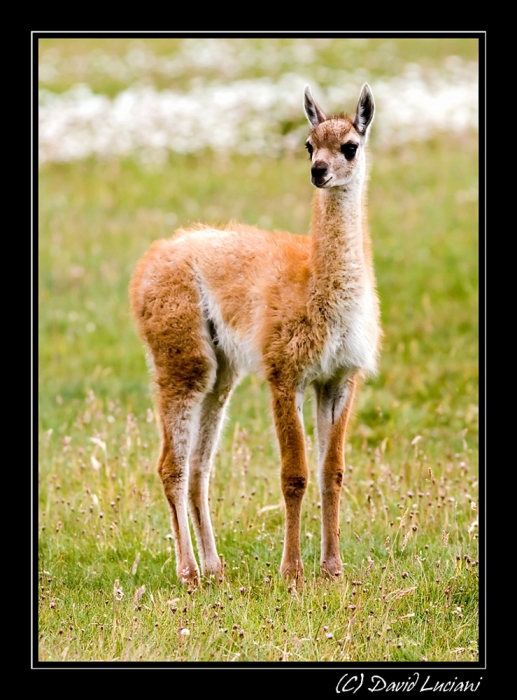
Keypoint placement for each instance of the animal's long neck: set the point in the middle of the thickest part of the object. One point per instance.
(340, 252)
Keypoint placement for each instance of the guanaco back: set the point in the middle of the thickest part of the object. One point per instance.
(212, 304)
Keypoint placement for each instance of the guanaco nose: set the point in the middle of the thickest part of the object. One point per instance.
(318, 172)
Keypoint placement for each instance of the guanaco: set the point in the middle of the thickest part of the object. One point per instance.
(212, 304)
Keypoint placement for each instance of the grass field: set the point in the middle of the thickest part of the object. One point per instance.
(106, 587)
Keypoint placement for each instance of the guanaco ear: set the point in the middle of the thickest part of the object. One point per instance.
(312, 111)
(364, 111)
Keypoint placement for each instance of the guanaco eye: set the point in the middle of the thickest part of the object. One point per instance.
(309, 148)
(349, 150)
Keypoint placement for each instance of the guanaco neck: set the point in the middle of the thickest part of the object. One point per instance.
(340, 254)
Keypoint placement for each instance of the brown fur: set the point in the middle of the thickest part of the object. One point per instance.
(212, 304)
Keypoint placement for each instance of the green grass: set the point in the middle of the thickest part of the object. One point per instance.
(410, 548)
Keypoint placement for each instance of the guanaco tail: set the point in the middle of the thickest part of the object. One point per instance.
(212, 304)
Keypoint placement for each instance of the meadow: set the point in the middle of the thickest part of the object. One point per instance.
(104, 581)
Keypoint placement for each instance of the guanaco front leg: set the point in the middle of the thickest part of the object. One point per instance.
(334, 402)
(294, 474)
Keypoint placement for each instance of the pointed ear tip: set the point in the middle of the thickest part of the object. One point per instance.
(307, 89)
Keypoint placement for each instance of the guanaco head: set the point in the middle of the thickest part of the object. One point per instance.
(336, 144)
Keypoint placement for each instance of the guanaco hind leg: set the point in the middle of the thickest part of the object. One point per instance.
(185, 372)
(173, 467)
(211, 418)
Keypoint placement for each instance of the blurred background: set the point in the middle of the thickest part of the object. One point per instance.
(108, 97)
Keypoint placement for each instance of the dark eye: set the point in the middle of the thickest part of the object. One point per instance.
(309, 148)
(348, 150)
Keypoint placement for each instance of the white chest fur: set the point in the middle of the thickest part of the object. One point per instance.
(352, 340)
